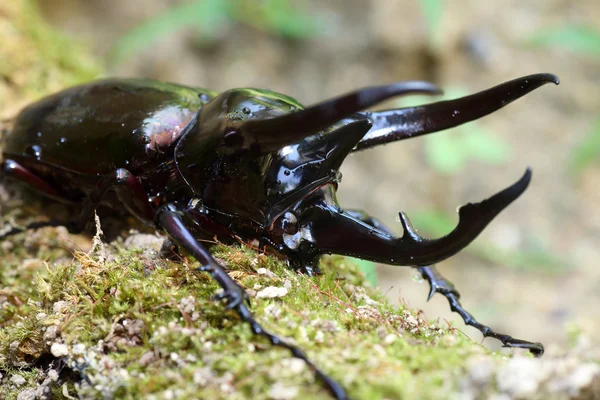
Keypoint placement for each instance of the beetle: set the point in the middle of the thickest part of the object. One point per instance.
(250, 165)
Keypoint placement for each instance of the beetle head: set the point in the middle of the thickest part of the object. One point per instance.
(264, 152)
(321, 226)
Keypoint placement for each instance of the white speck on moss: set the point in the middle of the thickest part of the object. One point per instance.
(266, 272)
(60, 306)
(188, 304)
(17, 380)
(280, 392)
(412, 321)
(389, 339)
(78, 349)
(146, 358)
(271, 292)
(274, 310)
(59, 350)
(53, 375)
(319, 337)
(42, 392)
(27, 394)
(202, 376)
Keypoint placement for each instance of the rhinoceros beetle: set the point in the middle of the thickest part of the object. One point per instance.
(246, 165)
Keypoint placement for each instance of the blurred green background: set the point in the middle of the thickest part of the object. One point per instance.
(534, 272)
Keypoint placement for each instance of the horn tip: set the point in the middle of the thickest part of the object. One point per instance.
(547, 77)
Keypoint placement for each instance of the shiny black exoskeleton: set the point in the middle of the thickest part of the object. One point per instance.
(248, 165)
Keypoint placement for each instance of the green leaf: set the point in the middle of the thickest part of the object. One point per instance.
(580, 39)
(284, 19)
(484, 146)
(444, 153)
(434, 223)
(205, 16)
(209, 16)
(449, 152)
(586, 152)
(540, 257)
(368, 268)
(433, 11)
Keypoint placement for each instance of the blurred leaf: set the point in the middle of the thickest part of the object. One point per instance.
(444, 153)
(577, 38)
(205, 16)
(208, 17)
(286, 20)
(433, 10)
(586, 152)
(484, 146)
(436, 224)
(450, 152)
(369, 269)
(537, 259)
(433, 223)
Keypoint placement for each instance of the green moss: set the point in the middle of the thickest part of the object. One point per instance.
(148, 326)
(35, 59)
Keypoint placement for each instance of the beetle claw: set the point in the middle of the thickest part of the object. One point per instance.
(233, 297)
(439, 284)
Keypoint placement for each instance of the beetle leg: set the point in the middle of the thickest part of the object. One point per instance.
(439, 284)
(130, 193)
(392, 125)
(175, 222)
(13, 169)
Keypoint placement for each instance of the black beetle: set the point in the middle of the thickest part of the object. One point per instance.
(249, 165)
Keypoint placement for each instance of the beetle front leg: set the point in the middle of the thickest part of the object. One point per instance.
(175, 222)
(439, 284)
(130, 193)
(13, 169)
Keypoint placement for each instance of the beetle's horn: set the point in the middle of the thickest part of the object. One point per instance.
(392, 125)
(274, 133)
(340, 233)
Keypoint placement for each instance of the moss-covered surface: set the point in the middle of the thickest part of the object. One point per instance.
(124, 323)
(137, 325)
(121, 322)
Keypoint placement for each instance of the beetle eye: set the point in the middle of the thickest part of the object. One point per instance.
(289, 224)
